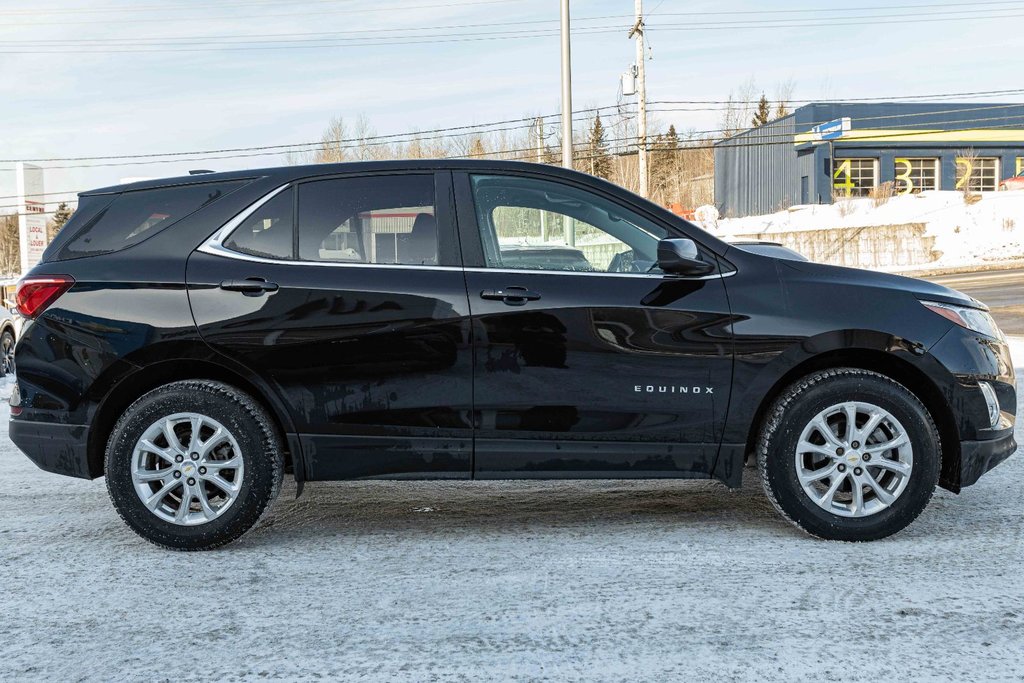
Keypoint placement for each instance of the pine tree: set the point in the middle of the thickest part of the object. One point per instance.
(781, 110)
(763, 113)
(600, 162)
(672, 138)
(60, 217)
(476, 149)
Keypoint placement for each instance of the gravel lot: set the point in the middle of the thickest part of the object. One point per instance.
(511, 581)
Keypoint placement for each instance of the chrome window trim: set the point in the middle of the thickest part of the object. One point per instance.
(540, 271)
(225, 230)
(214, 246)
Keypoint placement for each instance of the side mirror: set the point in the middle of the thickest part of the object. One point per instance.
(680, 256)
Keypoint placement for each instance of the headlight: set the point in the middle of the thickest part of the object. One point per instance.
(972, 318)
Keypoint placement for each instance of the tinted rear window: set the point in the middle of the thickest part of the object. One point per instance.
(88, 207)
(135, 216)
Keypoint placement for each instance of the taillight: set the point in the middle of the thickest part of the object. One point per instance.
(35, 294)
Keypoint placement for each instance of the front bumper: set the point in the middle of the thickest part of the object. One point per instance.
(978, 457)
(58, 448)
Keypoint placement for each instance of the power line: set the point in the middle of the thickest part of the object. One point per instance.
(252, 36)
(411, 135)
(159, 46)
(768, 139)
(272, 3)
(237, 17)
(339, 35)
(161, 8)
(832, 10)
(482, 128)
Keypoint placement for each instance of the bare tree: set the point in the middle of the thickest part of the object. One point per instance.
(10, 252)
(739, 108)
(783, 97)
(332, 148)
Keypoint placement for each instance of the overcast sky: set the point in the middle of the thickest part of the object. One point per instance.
(498, 60)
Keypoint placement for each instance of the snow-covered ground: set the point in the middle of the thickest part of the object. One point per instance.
(990, 230)
(561, 581)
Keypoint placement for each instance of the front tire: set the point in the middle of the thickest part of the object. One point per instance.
(849, 455)
(193, 465)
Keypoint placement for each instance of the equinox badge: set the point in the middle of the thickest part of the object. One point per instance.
(671, 389)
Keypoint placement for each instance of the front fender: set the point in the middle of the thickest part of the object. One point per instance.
(760, 377)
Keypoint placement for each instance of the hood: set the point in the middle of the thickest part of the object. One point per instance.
(922, 289)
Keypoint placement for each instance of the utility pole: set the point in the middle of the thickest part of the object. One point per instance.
(539, 157)
(566, 90)
(641, 96)
(538, 140)
(568, 224)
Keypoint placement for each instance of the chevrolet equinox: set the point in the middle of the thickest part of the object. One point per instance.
(192, 339)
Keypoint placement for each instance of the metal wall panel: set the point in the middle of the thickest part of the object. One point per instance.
(761, 170)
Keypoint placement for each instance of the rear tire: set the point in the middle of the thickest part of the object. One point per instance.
(193, 465)
(849, 485)
(7, 342)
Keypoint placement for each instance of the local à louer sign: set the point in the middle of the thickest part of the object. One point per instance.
(31, 214)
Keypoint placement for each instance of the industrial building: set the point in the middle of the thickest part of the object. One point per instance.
(825, 151)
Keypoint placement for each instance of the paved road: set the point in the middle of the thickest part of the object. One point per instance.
(1002, 290)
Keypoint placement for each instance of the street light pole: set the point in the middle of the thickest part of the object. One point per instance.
(566, 90)
(641, 95)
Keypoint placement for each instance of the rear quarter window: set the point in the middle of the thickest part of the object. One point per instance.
(137, 215)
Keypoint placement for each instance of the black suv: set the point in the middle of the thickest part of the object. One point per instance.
(194, 338)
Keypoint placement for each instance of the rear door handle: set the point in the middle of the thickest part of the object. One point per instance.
(253, 286)
(513, 296)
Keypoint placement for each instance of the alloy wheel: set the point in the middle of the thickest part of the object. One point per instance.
(854, 459)
(6, 352)
(187, 469)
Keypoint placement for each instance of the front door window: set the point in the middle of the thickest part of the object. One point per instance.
(533, 224)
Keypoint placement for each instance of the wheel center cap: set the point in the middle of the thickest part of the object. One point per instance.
(853, 458)
(188, 469)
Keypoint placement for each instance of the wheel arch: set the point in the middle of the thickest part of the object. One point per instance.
(892, 366)
(130, 387)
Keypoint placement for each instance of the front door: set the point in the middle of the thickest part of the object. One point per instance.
(588, 361)
(358, 319)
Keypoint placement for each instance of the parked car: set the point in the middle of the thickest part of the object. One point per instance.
(10, 323)
(1014, 183)
(765, 248)
(193, 338)
(544, 257)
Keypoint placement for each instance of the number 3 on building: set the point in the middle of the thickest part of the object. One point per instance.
(908, 182)
(844, 172)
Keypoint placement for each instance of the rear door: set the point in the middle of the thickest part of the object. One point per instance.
(589, 362)
(346, 295)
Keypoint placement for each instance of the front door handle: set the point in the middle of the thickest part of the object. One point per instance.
(513, 296)
(253, 286)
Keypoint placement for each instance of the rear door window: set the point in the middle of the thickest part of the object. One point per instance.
(136, 215)
(267, 233)
(387, 219)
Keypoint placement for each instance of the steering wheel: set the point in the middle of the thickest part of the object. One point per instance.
(624, 262)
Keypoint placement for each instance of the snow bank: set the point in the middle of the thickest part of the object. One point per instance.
(989, 230)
